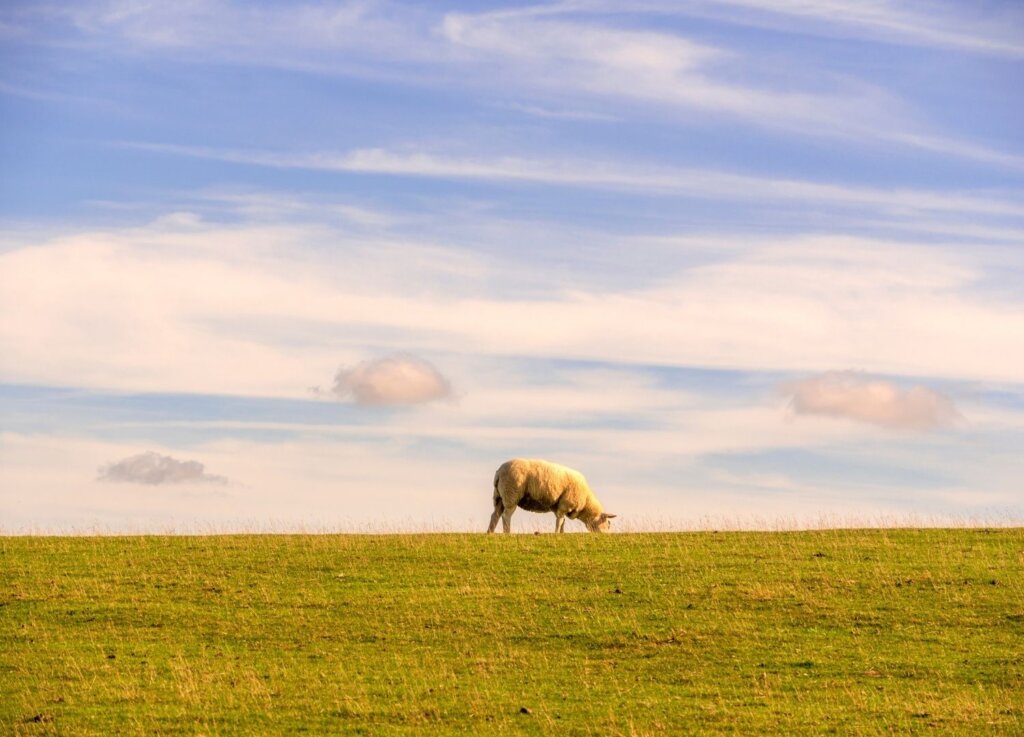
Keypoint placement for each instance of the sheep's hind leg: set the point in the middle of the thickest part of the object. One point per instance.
(498, 509)
(506, 519)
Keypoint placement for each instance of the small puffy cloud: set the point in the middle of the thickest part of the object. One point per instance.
(155, 470)
(393, 380)
(853, 396)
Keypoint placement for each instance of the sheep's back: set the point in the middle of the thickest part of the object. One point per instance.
(543, 483)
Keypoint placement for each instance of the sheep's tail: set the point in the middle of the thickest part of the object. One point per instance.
(499, 503)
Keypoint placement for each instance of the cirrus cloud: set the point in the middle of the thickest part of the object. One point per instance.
(399, 379)
(853, 396)
(154, 469)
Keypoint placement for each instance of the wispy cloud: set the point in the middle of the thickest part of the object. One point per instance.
(240, 30)
(853, 396)
(615, 175)
(556, 113)
(400, 379)
(154, 469)
(991, 29)
(560, 58)
(574, 56)
(564, 50)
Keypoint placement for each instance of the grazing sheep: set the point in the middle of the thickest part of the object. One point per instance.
(542, 486)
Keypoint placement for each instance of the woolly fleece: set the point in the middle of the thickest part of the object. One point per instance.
(542, 486)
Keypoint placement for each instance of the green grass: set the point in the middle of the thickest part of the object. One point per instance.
(806, 633)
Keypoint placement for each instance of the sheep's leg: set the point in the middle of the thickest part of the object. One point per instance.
(506, 519)
(498, 508)
(559, 521)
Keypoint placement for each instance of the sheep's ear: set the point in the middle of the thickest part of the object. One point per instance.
(610, 516)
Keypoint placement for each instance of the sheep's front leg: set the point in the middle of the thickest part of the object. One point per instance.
(559, 521)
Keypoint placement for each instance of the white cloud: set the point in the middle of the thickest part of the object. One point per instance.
(258, 310)
(853, 396)
(154, 469)
(400, 379)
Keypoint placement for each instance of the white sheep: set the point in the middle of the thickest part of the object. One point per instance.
(542, 486)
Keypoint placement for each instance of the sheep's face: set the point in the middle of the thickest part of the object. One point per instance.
(602, 523)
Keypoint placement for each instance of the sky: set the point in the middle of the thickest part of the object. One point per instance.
(273, 266)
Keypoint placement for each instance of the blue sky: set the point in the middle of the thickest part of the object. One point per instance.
(327, 265)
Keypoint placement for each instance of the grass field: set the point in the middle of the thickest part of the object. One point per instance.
(795, 633)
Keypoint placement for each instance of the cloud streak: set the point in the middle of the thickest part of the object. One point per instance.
(988, 30)
(612, 175)
(853, 396)
(154, 469)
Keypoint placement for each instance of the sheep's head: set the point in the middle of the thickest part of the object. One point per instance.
(602, 523)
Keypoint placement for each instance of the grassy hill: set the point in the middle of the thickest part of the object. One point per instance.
(809, 633)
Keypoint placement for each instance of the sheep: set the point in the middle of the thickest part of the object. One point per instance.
(542, 486)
